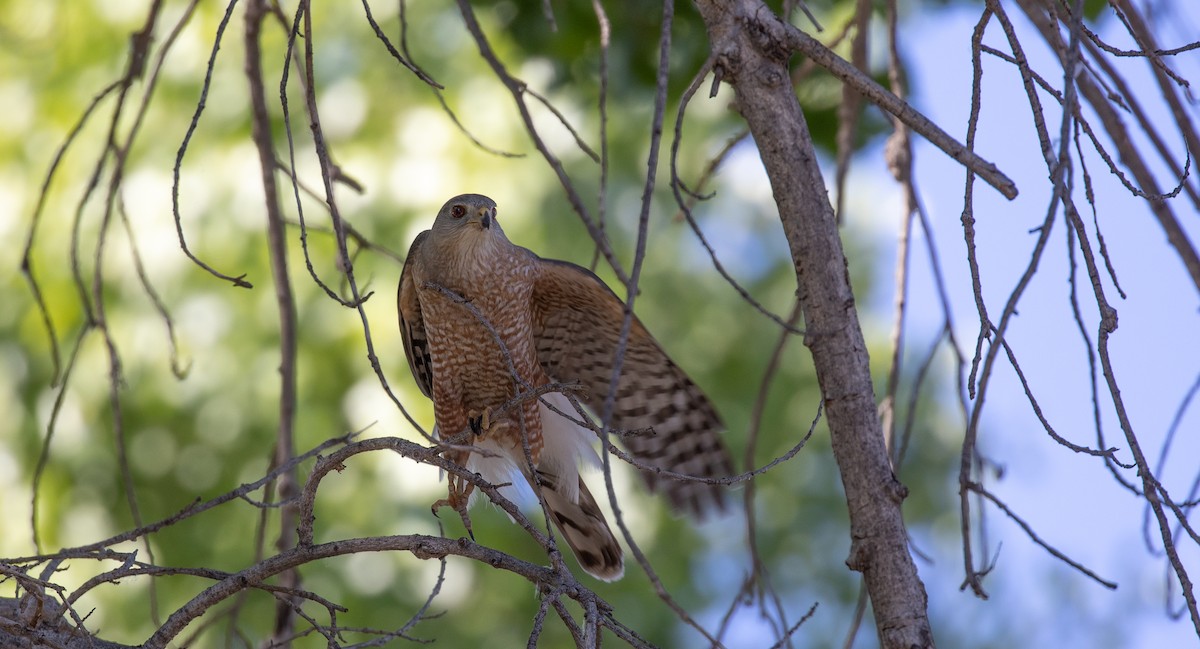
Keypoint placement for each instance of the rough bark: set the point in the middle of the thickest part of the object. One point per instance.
(31, 624)
(749, 46)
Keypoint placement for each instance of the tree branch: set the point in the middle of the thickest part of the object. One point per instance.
(784, 35)
(752, 46)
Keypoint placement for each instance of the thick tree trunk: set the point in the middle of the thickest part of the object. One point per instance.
(751, 55)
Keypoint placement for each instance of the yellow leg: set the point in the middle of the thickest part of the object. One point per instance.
(459, 496)
(480, 423)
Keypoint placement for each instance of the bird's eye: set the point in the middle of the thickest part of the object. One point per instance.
(458, 211)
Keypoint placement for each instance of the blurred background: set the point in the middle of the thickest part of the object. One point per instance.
(212, 428)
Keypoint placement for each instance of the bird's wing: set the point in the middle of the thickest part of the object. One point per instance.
(577, 326)
(412, 323)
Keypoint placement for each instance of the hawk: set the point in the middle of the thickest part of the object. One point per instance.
(486, 323)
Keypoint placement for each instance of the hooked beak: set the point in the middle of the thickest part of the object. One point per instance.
(485, 218)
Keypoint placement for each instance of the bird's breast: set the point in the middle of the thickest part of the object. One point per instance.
(477, 343)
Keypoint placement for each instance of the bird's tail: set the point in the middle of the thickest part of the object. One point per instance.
(583, 527)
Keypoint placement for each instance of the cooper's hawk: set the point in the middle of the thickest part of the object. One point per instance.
(485, 320)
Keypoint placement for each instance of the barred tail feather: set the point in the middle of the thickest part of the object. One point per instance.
(583, 527)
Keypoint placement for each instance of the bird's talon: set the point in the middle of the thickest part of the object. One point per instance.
(462, 513)
(458, 502)
(480, 423)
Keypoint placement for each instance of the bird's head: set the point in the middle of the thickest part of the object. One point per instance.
(467, 215)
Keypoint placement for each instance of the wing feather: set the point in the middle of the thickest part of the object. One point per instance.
(412, 323)
(577, 326)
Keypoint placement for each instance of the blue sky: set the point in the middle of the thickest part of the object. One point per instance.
(1070, 500)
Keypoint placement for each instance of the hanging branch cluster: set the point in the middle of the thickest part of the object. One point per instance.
(1091, 81)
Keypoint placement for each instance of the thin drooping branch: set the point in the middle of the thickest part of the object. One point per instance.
(631, 292)
(285, 301)
(1131, 101)
(970, 454)
(978, 488)
(407, 62)
(759, 582)
(1093, 371)
(997, 332)
(405, 58)
(1045, 17)
(240, 280)
(602, 113)
(330, 173)
(900, 162)
(1164, 452)
(1168, 81)
(294, 34)
(113, 161)
(27, 265)
(685, 205)
(518, 88)
(1036, 11)
(1061, 28)
(850, 109)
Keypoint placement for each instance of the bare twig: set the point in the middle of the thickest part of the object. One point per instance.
(677, 187)
(977, 488)
(419, 545)
(883, 98)
(518, 88)
(240, 280)
(285, 444)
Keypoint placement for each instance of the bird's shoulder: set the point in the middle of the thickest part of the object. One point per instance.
(415, 256)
